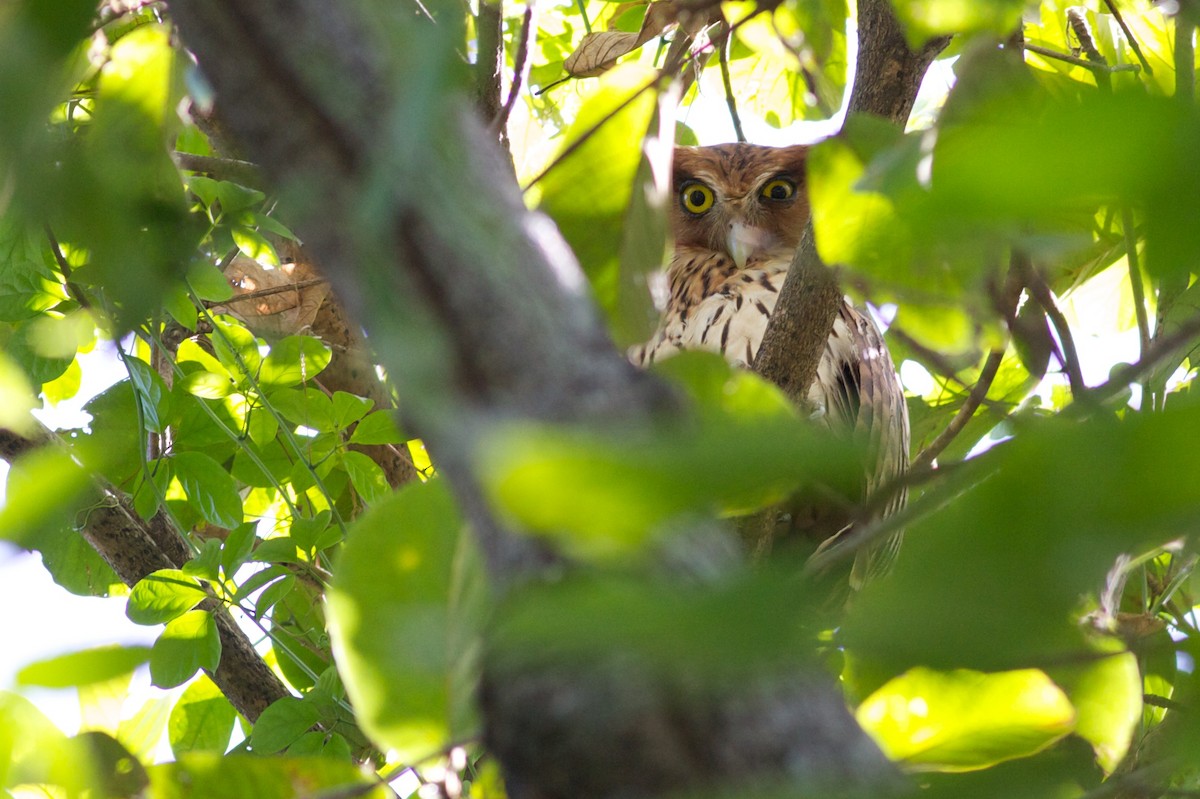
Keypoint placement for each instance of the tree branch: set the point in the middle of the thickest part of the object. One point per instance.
(135, 548)
(886, 80)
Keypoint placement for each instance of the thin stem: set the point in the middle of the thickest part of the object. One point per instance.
(1068, 357)
(1080, 62)
(520, 70)
(967, 412)
(1135, 280)
(730, 102)
(1129, 37)
(582, 6)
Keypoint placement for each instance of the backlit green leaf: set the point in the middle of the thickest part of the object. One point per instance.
(202, 719)
(84, 668)
(189, 642)
(963, 720)
(209, 488)
(391, 618)
(162, 596)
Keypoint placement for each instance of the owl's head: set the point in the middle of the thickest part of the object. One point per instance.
(745, 200)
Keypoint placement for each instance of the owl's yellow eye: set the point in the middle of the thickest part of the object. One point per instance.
(696, 197)
(779, 189)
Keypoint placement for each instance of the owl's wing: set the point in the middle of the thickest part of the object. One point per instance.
(858, 386)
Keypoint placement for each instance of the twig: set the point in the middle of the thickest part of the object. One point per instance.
(267, 292)
(1006, 306)
(965, 413)
(1161, 348)
(1080, 62)
(1129, 37)
(520, 68)
(65, 267)
(1077, 19)
(1068, 357)
(242, 172)
(730, 102)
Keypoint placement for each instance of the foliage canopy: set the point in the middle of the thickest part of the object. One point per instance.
(1037, 636)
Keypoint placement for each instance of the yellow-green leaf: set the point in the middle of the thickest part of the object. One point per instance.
(963, 720)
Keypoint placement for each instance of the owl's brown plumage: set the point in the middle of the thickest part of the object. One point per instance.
(737, 217)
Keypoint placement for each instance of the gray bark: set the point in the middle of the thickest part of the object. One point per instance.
(482, 315)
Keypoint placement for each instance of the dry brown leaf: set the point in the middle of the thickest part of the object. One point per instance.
(273, 315)
(599, 51)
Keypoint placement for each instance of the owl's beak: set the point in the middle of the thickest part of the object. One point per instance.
(744, 241)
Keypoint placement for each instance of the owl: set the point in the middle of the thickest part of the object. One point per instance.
(737, 216)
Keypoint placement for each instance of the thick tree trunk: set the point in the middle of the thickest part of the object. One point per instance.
(482, 315)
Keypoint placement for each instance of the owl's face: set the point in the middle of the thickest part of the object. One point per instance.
(745, 200)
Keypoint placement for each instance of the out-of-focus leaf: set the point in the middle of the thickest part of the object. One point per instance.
(84, 668)
(606, 493)
(722, 632)
(208, 775)
(962, 720)
(1011, 554)
(17, 397)
(189, 642)
(202, 720)
(1107, 695)
(924, 19)
(391, 620)
(588, 192)
(162, 596)
(43, 487)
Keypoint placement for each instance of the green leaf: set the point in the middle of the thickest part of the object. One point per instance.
(294, 360)
(963, 720)
(236, 347)
(366, 476)
(309, 407)
(208, 775)
(1107, 695)
(254, 245)
(162, 596)
(273, 593)
(924, 19)
(43, 487)
(202, 719)
(208, 282)
(209, 488)
(207, 385)
(1029, 527)
(188, 643)
(391, 619)
(237, 547)
(604, 493)
(377, 428)
(282, 724)
(588, 192)
(84, 668)
(154, 396)
(348, 409)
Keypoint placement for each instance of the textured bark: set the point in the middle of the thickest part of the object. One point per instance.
(135, 548)
(482, 315)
